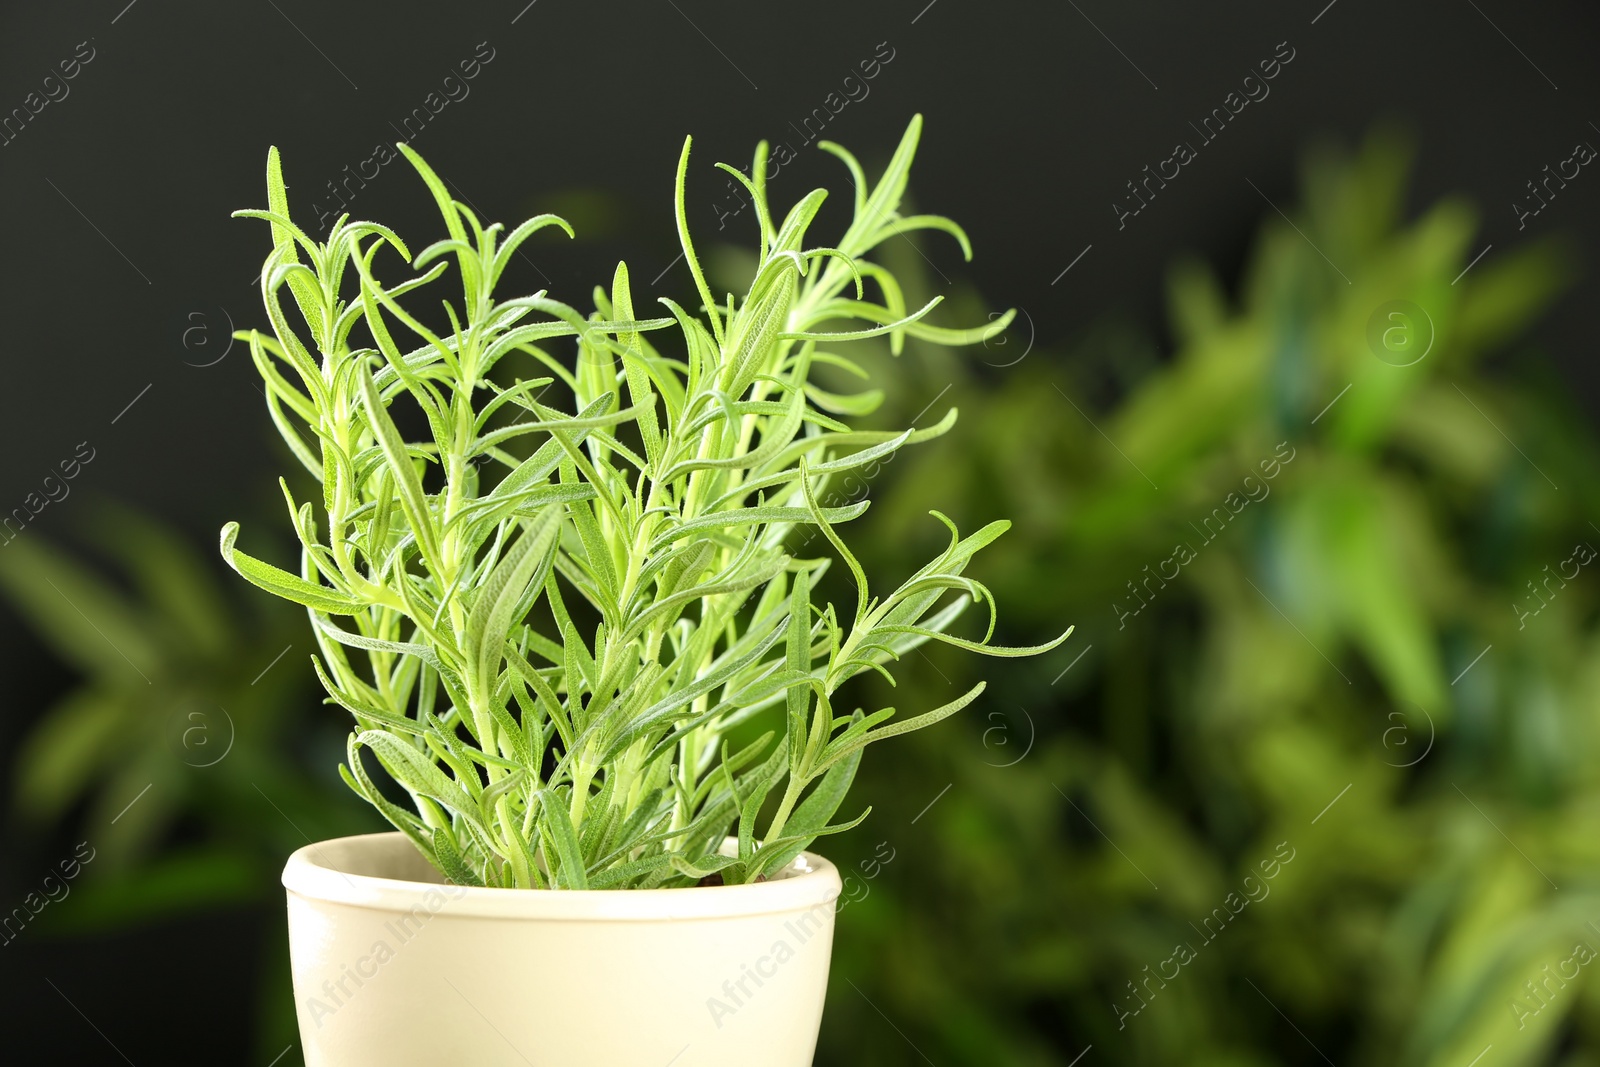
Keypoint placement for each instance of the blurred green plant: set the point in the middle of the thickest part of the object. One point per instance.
(1352, 667)
(192, 729)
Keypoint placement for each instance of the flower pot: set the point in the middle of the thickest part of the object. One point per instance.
(393, 967)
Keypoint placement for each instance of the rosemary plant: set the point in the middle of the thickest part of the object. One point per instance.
(545, 620)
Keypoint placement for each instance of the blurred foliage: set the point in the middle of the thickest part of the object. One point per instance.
(1361, 632)
(194, 728)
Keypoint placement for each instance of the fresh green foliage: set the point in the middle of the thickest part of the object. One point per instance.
(546, 618)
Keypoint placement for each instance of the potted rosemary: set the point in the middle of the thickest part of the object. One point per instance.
(550, 608)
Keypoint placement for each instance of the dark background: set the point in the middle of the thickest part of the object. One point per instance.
(122, 268)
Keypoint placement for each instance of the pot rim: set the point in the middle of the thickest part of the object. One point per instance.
(319, 872)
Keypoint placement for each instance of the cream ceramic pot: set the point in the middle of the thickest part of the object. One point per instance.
(394, 968)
